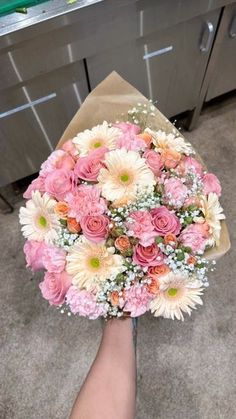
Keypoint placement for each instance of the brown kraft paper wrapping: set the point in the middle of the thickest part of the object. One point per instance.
(107, 102)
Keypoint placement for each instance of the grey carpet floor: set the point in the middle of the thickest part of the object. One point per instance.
(185, 370)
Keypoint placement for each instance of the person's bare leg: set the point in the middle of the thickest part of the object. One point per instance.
(108, 391)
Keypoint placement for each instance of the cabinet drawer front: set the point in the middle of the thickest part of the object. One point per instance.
(167, 66)
(223, 79)
(32, 119)
(61, 46)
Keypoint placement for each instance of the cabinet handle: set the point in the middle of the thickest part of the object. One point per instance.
(207, 37)
(232, 29)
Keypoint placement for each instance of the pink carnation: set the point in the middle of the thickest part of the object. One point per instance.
(175, 192)
(137, 300)
(70, 148)
(58, 159)
(141, 226)
(84, 303)
(95, 227)
(211, 184)
(190, 165)
(131, 142)
(195, 236)
(165, 221)
(60, 182)
(128, 128)
(88, 167)
(36, 185)
(55, 286)
(54, 259)
(33, 253)
(148, 256)
(154, 161)
(86, 201)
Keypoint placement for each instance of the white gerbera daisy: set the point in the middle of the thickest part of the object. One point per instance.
(125, 174)
(38, 218)
(177, 294)
(213, 213)
(90, 263)
(162, 140)
(99, 136)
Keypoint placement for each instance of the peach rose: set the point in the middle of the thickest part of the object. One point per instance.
(171, 158)
(114, 297)
(147, 138)
(170, 238)
(153, 287)
(122, 202)
(122, 243)
(192, 200)
(61, 209)
(73, 225)
(191, 260)
(157, 271)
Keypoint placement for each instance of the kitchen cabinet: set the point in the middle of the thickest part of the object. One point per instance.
(223, 78)
(33, 114)
(166, 65)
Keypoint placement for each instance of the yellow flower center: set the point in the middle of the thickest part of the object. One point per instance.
(172, 292)
(124, 177)
(42, 221)
(95, 262)
(97, 144)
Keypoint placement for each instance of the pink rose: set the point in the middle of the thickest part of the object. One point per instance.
(137, 300)
(60, 182)
(211, 184)
(54, 259)
(165, 221)
(175, 192)
(148, 256)
(86, 201)
(128, 128)
(88, 167)
(36, 185)
(33, 253)
(194, 236)
(55, 286)
(84, 303)
(70, 148)
(141, 226)
(95, 228)
(190, 165)
(154, 161)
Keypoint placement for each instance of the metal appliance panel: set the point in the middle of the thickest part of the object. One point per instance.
(32, 119)
(223, 79)
(167, 66)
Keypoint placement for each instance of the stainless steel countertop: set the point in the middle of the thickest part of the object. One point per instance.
(36, 14)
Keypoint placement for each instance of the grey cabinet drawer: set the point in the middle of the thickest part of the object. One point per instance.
(32, 119)
(167, 66)
(223, 79)
(80, 35)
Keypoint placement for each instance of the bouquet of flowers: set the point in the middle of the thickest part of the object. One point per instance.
(120, 218)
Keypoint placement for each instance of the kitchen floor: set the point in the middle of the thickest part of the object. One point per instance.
(185, 370)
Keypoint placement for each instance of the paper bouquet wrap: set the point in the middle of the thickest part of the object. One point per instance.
(124, 217)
